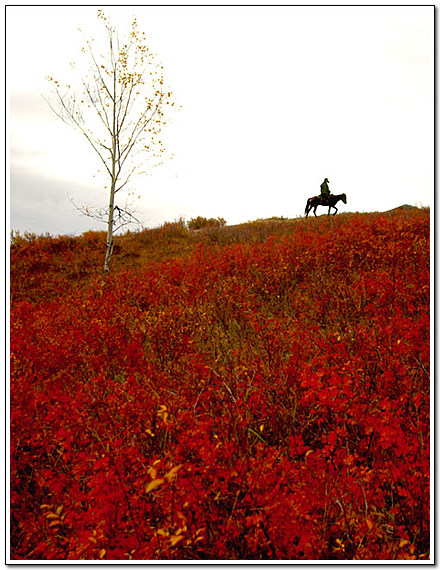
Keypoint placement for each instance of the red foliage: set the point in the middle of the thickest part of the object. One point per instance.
(265, 400)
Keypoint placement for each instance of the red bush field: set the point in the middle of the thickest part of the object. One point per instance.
(259, 392)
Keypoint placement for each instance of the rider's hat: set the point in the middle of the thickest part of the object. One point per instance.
(325, 179)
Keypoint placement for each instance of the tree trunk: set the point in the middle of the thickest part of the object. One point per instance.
(111, 208)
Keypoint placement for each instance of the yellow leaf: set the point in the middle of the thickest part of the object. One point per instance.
(403, 542)
(175, 539)
(172, 473)
(369, 524)
(52, 516)
(153, 473)
(162, 532)
(153, 485)
(102, 553)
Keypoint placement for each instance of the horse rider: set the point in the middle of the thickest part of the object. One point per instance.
(325, 191)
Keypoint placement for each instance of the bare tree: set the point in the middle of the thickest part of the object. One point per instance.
(120, 109)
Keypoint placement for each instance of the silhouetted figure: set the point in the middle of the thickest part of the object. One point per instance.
(325, 190)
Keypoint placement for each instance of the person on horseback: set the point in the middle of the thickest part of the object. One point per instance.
(325, 190)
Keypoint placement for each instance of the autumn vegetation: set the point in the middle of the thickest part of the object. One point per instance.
(252, 392)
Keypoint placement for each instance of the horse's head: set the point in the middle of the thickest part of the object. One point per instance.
(344, 198)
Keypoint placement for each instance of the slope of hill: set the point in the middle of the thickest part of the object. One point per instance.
(258, 392)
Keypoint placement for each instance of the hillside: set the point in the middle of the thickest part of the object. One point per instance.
(255, 392)
(46, 264)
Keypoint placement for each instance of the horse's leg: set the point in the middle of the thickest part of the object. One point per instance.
(314, 210)
(336, 210)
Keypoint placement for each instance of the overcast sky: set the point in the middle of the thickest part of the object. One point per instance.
(274, 99)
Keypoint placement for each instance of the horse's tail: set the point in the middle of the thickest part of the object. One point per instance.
(306, 211)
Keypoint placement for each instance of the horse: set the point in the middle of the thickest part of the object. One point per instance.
(329, 201)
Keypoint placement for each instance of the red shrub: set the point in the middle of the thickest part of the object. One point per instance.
(257, 401)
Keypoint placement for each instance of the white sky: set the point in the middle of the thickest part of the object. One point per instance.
(274, 99)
